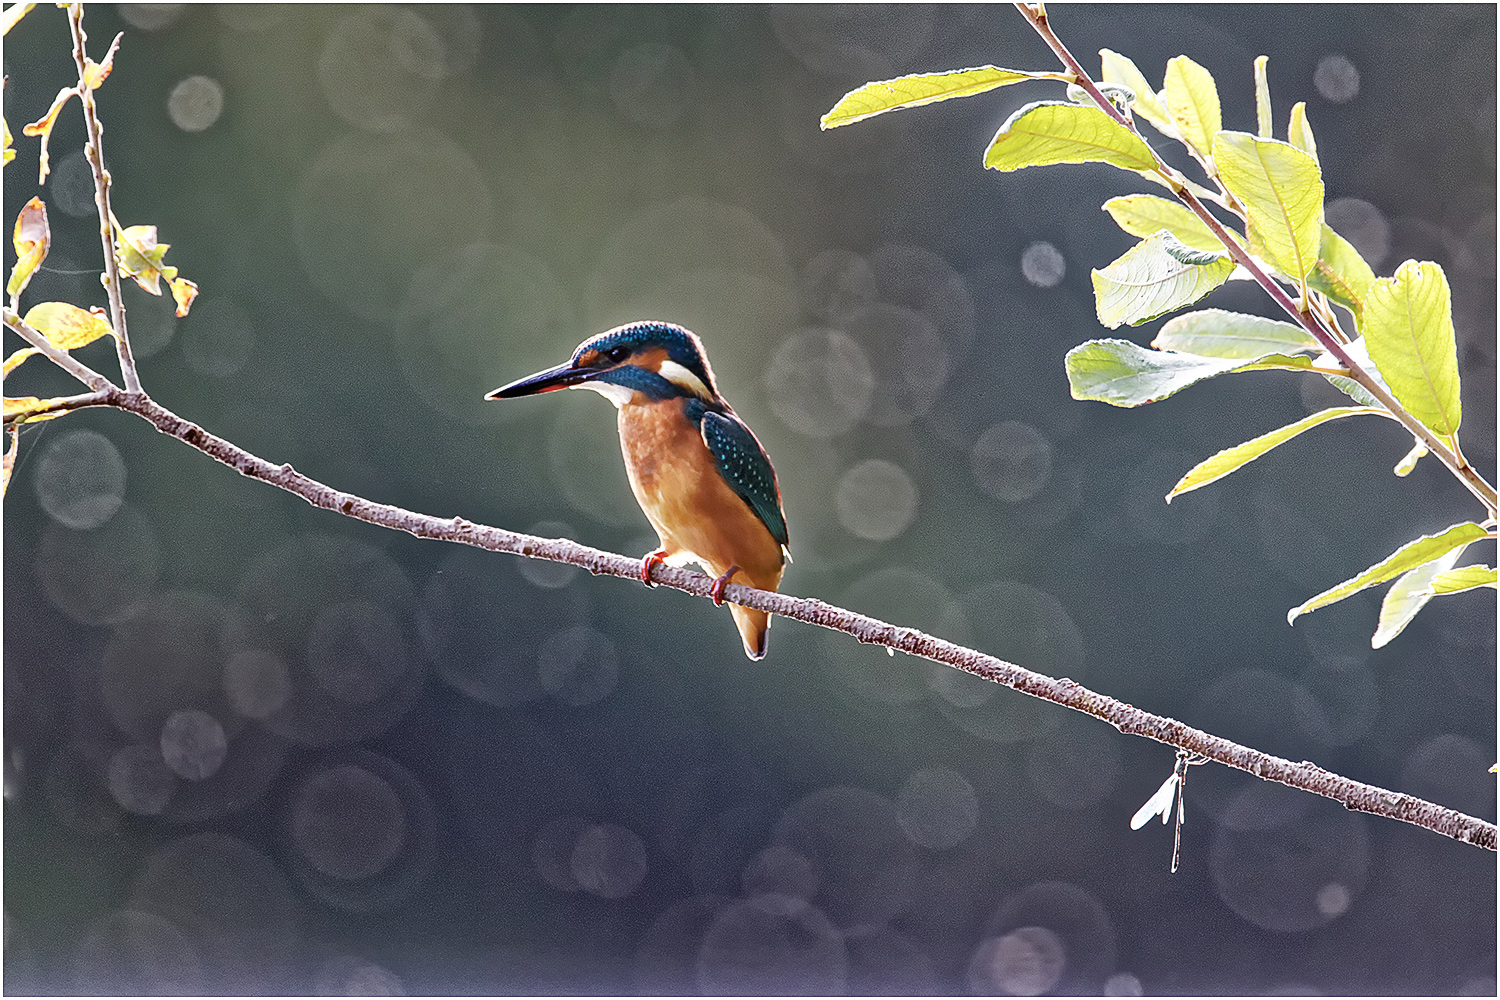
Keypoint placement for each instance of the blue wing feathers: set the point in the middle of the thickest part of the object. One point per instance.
(745, 466)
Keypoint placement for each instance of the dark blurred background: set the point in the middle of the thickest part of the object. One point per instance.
(255, 747)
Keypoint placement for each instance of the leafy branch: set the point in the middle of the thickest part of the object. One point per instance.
(1403, 363)
(52, 333)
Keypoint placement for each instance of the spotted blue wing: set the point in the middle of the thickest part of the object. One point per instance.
(746, 468)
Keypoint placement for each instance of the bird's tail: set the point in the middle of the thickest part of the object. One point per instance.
(752, 625)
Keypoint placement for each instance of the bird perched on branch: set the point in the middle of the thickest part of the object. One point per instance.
(698, 472)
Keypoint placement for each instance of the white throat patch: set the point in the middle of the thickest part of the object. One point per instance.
(680, 376)
(617, 394)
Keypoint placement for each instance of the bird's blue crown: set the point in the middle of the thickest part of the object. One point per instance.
(681, 345)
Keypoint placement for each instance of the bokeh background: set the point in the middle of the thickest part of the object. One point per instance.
(254, 747)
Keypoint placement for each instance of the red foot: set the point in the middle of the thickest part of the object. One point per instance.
(717, 590)
(652, 559)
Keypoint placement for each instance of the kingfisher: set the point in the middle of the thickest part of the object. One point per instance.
(698, 472)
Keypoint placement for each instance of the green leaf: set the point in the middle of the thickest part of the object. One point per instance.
(1456, 581)
(1281, 188)
(1341, 273)
(1123, 373)
(1299, 133)
(1155, 276)
(1145, 215)
(1408, 327)
(1050, 132)
(1407, 557)
(1119, 69)
(1408, 595)
(1218, 466)
(1262, 98)
(1215, 333)
(1192, 99)
(922, 88)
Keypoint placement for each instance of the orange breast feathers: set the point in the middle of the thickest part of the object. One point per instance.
(694, 511)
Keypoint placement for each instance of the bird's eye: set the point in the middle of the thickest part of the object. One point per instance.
(617, 354)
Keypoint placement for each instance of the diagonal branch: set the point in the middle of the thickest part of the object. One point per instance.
(1067, 693)
(1476, 484)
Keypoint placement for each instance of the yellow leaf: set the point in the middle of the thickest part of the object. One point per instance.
(32, 239)
(14, 13)
(1408, 327)
(140, 256)
(183, 292)
(1192, 98)
(9, 153)
(1121, 70)
(1145, 214)
(1049, 132)
(43, 127)
(1262, 98)
(1281, 188)
(14, 361)
(922, 88)
(94, 73)
(66, 326)
(18, 409)
(1299, 132)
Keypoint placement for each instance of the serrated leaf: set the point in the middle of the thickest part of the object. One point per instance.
(1299, 133)
(1048, 132)
(1192, 99)
(1123, 373)
(1408, 595)
(66, 326)
(43, 127)
(1281, 188)
(1218, 466)
(1456, 581)
(1407, 557)
(922, 88)
(14, 361)
(1153, 277)
(1145, 215)
(1262, 98)
(1216, 333)
(32, 239)
(1119, 69)
(1341, 273)
(1408, 328)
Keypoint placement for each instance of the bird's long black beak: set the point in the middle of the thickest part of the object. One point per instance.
(561, 377)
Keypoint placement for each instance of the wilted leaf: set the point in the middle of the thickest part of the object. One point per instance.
(1407, 557)
(1192, 99)
(9, 153)
(1341, 273)
(1121, 70)
(1409, 460)
(141, 257)
(1222, 464)
(1456, 581)
(13, 15)
(14, 361)
(1123, 373)
(66, 326)
(1408, 328)
(32, 240)
(1281, 188)
(1408, 595)
(1215, 333)
(183, 293)
(1145, 215)
(922, 88)
(1050, 132)
(95, 73)
(19, 409)
(1262, 98)
(1299, 133)
(43, 127)
(1155, 276)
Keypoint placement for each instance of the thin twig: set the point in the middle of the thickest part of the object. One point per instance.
(56, 355)
(94, 153)
(1466, 474)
